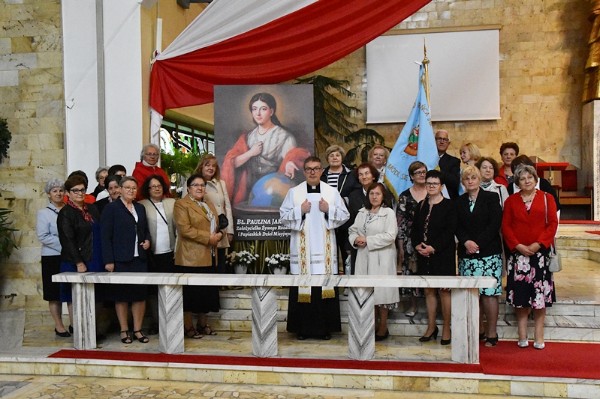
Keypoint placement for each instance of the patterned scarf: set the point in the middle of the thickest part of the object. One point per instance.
(84, 211)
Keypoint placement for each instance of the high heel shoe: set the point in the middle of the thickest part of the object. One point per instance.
(382, 337)
(433, 335)
(446, 341)
(127, 338)
(141, 338)
(64, 334)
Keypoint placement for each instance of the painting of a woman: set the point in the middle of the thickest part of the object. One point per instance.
(267, 148)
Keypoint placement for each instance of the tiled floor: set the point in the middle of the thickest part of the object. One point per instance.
(20, 387)
(578, 283)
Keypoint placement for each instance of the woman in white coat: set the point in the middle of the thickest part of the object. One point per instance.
(373, 234)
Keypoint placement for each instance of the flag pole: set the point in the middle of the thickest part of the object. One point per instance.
(426, 74)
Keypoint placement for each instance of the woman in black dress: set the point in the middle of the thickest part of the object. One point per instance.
(79, 235)
(408, 201)
(433, 238)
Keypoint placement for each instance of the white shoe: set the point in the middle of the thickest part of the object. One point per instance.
(523, 343)
(539, 346)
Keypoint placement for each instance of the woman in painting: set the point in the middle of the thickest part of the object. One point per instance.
(266, 149)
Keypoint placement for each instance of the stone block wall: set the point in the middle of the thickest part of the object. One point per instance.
(32, 100)
(543, 48)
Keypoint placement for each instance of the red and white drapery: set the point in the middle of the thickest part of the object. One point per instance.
(235, 42)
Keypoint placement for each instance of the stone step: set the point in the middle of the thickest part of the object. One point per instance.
(566, 320)
(241, 300)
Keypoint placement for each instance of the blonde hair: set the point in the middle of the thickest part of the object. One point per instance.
(378, 147)
(474, 152)
(470, 170)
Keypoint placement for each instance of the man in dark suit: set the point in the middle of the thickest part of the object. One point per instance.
(448, 165)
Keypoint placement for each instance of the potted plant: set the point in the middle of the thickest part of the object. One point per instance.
(179, 165)
(241, 260)
(7, 235)
(278, 263)
(5, 138)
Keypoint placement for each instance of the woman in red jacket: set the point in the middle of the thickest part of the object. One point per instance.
(529, 224)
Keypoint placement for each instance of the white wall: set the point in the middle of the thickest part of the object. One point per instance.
(119, 95)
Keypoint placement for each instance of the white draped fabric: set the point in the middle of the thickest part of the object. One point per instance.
(224, 19)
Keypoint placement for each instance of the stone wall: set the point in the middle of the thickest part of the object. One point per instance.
(31, 99)
(543, 48)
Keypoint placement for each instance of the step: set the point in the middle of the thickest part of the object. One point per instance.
(566, 320)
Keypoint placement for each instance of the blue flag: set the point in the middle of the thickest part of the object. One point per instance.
(416, 143)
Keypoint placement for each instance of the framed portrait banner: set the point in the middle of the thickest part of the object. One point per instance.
(263, 133)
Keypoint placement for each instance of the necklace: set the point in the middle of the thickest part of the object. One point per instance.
(527, 199)
(265, 131)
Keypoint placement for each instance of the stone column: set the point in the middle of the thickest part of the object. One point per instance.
(590, 114)
(590, 153)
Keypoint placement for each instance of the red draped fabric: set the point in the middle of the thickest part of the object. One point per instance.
(284, 49)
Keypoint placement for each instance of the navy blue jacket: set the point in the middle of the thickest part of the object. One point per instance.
(119, 231)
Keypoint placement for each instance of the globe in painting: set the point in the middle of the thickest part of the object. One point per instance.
(270, 190)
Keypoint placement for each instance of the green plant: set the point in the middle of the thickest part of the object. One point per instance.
(181, 163)
(5, 138)
(363, 139)
(332, 115)
(7, 234)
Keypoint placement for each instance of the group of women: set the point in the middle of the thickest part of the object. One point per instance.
(421, 231)
(485, 228)
(131, 236)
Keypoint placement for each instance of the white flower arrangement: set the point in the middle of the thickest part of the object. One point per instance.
(278, 260)
(245, 258)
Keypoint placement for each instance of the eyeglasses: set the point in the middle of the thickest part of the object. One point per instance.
(198, 185)
(129, 188)
(151, 154)
(77, 191)
(154, 187)
(442, 140)
(432, 184)
(311, 170)
(420, 172)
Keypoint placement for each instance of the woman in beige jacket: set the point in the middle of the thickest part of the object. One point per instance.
(216, 194)
(197, 238)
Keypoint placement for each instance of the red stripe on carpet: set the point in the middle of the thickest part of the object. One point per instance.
(267, 362)
(593, 232)
(565, 360)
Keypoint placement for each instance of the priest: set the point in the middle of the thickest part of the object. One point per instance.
(312, 210)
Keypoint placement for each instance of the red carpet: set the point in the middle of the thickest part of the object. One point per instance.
(567, 221)
(568, 360)
(558, 359)
(593, 232)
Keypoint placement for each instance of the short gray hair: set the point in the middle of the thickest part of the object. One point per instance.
(334, 148)
(522, 169)
(53, 183)
(145, 147)
(100, 170)
(125, 179)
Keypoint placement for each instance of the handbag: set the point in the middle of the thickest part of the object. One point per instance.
(554, 260)
(223, 222)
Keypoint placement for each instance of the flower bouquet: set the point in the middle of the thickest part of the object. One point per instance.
(241, 260)
(278, 263)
